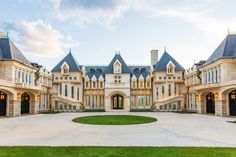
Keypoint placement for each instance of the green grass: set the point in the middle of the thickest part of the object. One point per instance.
(114, 120)
(76, 151)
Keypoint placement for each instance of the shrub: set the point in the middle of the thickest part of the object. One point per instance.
(141, 110)
(95, 110)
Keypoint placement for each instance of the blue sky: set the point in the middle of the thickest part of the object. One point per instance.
(45, 30)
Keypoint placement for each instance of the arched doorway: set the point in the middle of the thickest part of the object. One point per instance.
(25, 103)
(117, 101)
(3, 103)
(210, 103)
(232, 103)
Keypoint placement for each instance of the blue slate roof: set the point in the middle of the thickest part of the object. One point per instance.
(125, 68)
(71, 61)
(95, 70)
(139, 70)
(227, 49)
(8, 51)
(164, 60)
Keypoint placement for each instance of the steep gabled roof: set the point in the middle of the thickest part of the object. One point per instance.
(95, 70)
(227, 49)
(125, 68)
(140, 70)
(8, 51)
(71, 61)
(164, 60)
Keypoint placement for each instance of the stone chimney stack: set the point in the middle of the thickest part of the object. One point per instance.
(154, 57)
(1, 34)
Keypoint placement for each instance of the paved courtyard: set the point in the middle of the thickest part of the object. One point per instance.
(171, 129)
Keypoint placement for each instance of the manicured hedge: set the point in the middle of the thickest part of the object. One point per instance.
(49, 112)
(141, 110)
(94, 110)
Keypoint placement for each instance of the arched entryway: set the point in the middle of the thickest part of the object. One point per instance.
(210, 103)
(117, 101)
(3, 103)
(25, 103)
(232, 103)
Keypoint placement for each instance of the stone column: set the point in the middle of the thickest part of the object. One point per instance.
(34, 107)
(14, 108)
(107, 101)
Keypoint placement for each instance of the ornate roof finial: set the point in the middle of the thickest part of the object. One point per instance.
(70, 50)
(164, 48)
(228, 31)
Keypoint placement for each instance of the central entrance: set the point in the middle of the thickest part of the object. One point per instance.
(117, 101)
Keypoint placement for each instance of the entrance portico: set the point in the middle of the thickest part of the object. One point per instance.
(117, 101)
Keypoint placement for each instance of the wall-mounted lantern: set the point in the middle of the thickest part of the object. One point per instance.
(38, 97)
(197, 97)
(18, 96)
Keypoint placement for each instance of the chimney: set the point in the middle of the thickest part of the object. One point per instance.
(1, 34)
(154, 57)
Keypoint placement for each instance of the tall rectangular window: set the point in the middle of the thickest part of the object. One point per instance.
(175, 88)
(169, 89)
(78, 94)
(72, 92)
(157, 93)
(163, 90)
(212, 76)
(101, 84)
(66, 90)
(87, 84)
(94, 84)
(60, 88)
(23, 77)
(30, 78)
(216, 76)
(133, 84)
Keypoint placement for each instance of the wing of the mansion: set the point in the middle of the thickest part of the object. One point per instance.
(164, 85)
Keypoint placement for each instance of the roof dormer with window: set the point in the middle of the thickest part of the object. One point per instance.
(170, 68)
(65, 69)
(117, 67)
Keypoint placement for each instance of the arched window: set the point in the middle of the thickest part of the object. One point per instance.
(117, 68)
(65, 68)
(170, 68)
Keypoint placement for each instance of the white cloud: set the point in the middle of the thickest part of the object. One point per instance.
(84, 12)
(198, 12)
(41, 39)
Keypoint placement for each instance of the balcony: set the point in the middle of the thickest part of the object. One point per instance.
(117, 85)
(28, 86)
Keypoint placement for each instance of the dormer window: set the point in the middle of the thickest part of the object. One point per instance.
(170, 68)
(65, 69)
(117, 68)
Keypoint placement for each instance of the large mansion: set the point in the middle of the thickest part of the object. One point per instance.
(164, 85)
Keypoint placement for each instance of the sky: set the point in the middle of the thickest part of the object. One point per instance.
(94, 30)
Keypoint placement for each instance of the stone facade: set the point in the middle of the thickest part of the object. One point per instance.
(212, 83)
(207, 87)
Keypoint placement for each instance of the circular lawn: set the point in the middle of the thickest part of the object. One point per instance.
(114, 120)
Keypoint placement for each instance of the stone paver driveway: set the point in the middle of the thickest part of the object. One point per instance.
(171, 129)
